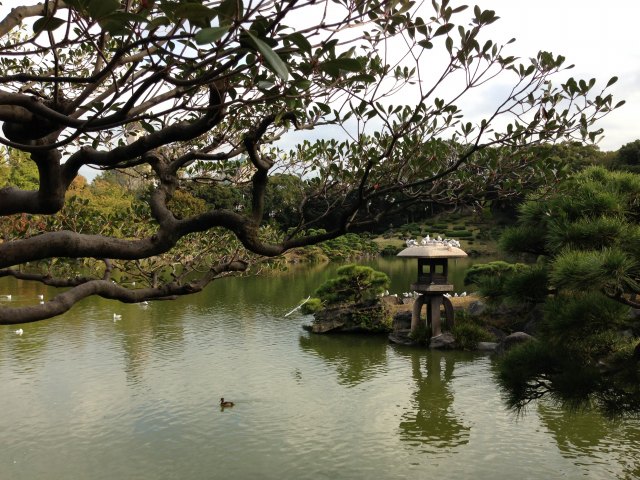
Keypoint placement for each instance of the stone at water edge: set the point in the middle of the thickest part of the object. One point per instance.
(514, 339)
(444, 341)
(358, 318)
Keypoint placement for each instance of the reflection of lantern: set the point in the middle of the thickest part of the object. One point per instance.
(432, 283)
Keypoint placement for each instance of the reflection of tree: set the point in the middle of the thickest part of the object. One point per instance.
(432, 424)
(158, 329)
(355, 358)
(588, 434)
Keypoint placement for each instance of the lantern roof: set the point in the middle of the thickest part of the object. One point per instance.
(434, 250)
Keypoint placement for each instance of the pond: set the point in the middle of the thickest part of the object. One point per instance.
(86, 397)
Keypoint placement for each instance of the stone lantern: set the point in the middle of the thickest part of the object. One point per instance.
(432, 282)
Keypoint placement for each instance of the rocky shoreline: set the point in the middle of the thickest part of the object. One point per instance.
(392, 316)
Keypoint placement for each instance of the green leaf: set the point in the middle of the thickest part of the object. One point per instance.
(442, 29)
(272, 58)
(449, 44)
(210, 35)
(300, 41)
(364, 77)
(198, 14)
(101, 8)
(47, 24)
(158, 22)
(347, 64)
(230, 10)
(117, 23)
(303, 84)
(147, 126)
(611, 81)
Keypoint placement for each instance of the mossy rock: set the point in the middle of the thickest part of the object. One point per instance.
(368, 317)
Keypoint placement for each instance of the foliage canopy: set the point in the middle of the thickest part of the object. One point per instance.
(190, 96)
(587, 276)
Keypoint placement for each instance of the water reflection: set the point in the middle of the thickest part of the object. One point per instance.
(588, 434)
(148, 333)
(356, 358)
(142, 395)
(432, 424)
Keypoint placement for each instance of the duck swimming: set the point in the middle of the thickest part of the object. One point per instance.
(225, 404)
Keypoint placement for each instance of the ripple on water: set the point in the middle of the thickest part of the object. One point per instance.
(141, 396)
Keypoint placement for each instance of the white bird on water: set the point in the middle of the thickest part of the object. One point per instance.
(41, 297)
(116, 317)
(19, 331)
(5, 297)
(463, 294)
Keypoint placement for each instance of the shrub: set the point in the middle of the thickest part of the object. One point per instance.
(390, 250)
(354, 283)
(498, 268)
(348, 246)
(312, 306)
(468, 335)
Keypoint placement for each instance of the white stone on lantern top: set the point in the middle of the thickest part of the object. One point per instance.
(430, 248)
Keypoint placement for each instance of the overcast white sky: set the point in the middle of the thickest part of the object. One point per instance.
(600, 38)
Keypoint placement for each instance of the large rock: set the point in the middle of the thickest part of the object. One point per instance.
(515, 338)
(402, 321)
(367, 318)
(401, 339)
(477, 307)
(401, 329)
(444, 341)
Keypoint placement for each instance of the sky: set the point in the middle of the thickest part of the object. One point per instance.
(600, 38)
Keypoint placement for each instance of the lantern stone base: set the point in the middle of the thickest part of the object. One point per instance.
(433, 299)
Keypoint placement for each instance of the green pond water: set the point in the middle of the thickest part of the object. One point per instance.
(84, 397)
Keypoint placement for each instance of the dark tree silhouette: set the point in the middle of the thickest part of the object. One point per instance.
(201, 91)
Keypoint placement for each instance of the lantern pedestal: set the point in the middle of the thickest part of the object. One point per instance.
(433, 297)
(432, 283)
